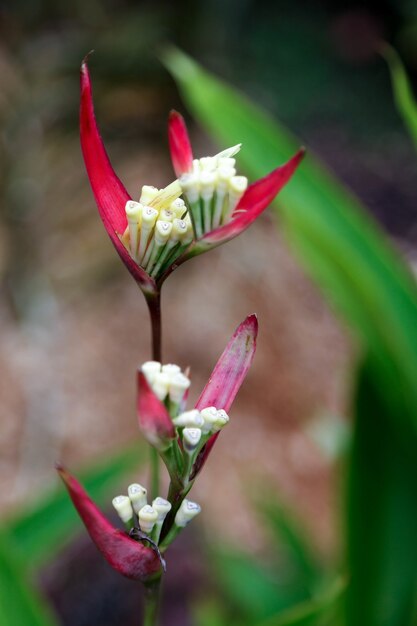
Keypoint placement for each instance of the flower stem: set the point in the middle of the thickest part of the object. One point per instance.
(151, 599)
(154, 305)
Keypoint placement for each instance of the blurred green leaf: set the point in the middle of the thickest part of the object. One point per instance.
(382, 515)
(403, 93)
(19, 603)
(361, 274)
(38, 533)
(289, 535)
(254, 591)
(338, 244)
(321, 611)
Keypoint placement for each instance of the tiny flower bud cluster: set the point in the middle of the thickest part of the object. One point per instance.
(212, 190)
(134, 507)
(159, 228)
(167, 381)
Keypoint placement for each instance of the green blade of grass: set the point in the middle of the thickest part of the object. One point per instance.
(403, 94)
(20, 605)
(382, 542)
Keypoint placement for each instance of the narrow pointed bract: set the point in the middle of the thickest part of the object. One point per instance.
(231, 368)
(227, 377)
(109, 192)
(153, 417)
(179, 144)
(127, 556)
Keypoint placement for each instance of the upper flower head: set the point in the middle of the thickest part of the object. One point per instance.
(162, 229)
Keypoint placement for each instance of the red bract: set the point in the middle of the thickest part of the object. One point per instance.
(179, 144)
(125, 555)
(154, 420)
(227, 377)
(109, 192)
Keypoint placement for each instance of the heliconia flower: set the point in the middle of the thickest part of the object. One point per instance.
(158, 424)
(161, 230)
(127, 556)
(221, 204)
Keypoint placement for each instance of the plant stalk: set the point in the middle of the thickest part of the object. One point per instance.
(151, 602)
(154, 305)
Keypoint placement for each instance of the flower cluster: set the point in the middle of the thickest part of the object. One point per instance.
(184, 440)
(205, 206)
(162, 230)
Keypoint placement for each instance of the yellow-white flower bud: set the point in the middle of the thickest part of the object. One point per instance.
(160, 385)
(221, 420)
(171, 369)
(208, 164)
(123, 507)
(149, 217)
(162, 507)
(179, 383)
(148, 193)
(150, 369)
(147, 518)
(178, 208)
(226, 162)
(134, 217)
(209, 415)
(179, 230)
(189, 419)
(190, 186)
(137, 495)
(191, 438)
(237, 187)
(162, 232)
(187, 511)
(166, 215)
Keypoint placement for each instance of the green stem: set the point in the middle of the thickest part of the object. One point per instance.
(151, 599)
(154, 305)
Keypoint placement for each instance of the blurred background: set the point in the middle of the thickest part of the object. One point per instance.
(73, 324)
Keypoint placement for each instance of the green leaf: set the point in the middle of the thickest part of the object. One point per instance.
(20, 605)
(40, 532)
(382, 513)
(337, 243)
(289, 535)
(403, 93)
(321, 611)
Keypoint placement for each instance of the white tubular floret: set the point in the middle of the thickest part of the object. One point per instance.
(166, 215)
(160, 385)
(178, 208)
(189, 419)
(207, 182)
(237, 187)
(134, 217)
(162, 507)
(208, 164)
(123, 508)
(147, 518)
(137, 495)
(179, 383)
(162, 232)
(187, 511)
(191, 438)
(190, 186)
(149, 217)
(150, 369)
(226, 162)
(148, 193)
